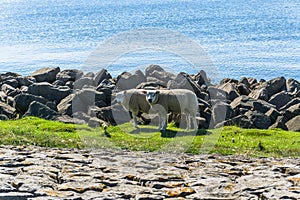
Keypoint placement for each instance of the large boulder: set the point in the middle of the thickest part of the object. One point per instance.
(259, 120)
(292, 112)
(216, 93)
(243, 89)
(7, 110)
(274, 86)
(25, 80)
(38, 109)
(201, 78)
(294, 124)
(46, 74)
(261, 93)
(23, 100)
(127, 81)
(291, 103)
(292, 86)
(49, 92)
(114, 114)
(230, 89)
(184, 81)
(156, 72)
(69, 75)
(100, 76)
(280, 99)
(81, 101)
(221, 112)
(84, 81)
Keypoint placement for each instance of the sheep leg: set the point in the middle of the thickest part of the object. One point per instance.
(188, 122)
(134, 119)
(195, 123)
(164, 123)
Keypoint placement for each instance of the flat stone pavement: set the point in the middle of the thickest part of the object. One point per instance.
(29, 172)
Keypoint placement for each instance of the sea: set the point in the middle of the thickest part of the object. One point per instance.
(226, 38)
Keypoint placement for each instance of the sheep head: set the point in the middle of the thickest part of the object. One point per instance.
(152, 96)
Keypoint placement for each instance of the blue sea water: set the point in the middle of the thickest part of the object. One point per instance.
(252, 38)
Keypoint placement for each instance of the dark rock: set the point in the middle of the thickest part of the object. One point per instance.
(7, 88)
(70, 84)
(244, 81)
(230, 89)
(243, 89)
(291, 103)
(201, 78)
(157, 72)
(279, 124)
(184, 81)
(40, 110)
(280, 99)
(3, 117)
(240, 121)
(25, 80)
(7, 110)
(46, 74)
(8, 75)
(95, 122)
(69, 75)
(101, 75)
(10, 101)
(259, 120)
(275, 85)
(228, 80)
(107, 84)
(14, 93)
(11, 82)
(291, 112)
(292, 86)
(58, 83)
(22, 101)
(48, 91)
(127, 81)
(107, 94)
(262, 106)
(294, 124)
(114, 114)
(273, 114)
(3, 96)
(261, 93)
(84, 81)
(65, 105)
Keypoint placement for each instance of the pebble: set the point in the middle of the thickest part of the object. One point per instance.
(29, 172)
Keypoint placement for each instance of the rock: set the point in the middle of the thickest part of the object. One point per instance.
(101, 75)
(291, 103)
(58, 83)
(69, 75)
(22, 101)
(25, 80)
(201, 78)
(46, 74)
(48, 91)
(243, 89)
(84, 81)
(150, 85)
(157, 72)
(292, 86)
(259, 120)
(294, 124)
(230, 89)
(7, 89)
(80, 101)
(216, 93)
(261, 93)
(280, 99)
(292, 112)
(279, 124)
(240, 121)
(221, 112)
(273, 114)
(114, 114)
(127, 81)
(184, 81)
(3, 117)
(95, 122)
(275, 85)
(7, 110)
(11, 82)
(40, 110)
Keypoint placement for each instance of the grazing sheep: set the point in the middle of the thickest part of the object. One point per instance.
(133, 100)
(177, 101)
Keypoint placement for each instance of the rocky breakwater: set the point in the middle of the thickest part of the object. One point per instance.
(28, 172)
(74, 97)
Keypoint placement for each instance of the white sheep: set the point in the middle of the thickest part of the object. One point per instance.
(134, 100)
(177, 101)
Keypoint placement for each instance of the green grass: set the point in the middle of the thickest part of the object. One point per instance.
(228, 140)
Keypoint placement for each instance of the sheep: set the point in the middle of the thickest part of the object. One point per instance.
(177, 101)
(134, 101)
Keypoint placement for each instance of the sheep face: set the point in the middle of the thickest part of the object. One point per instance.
(152, 96)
